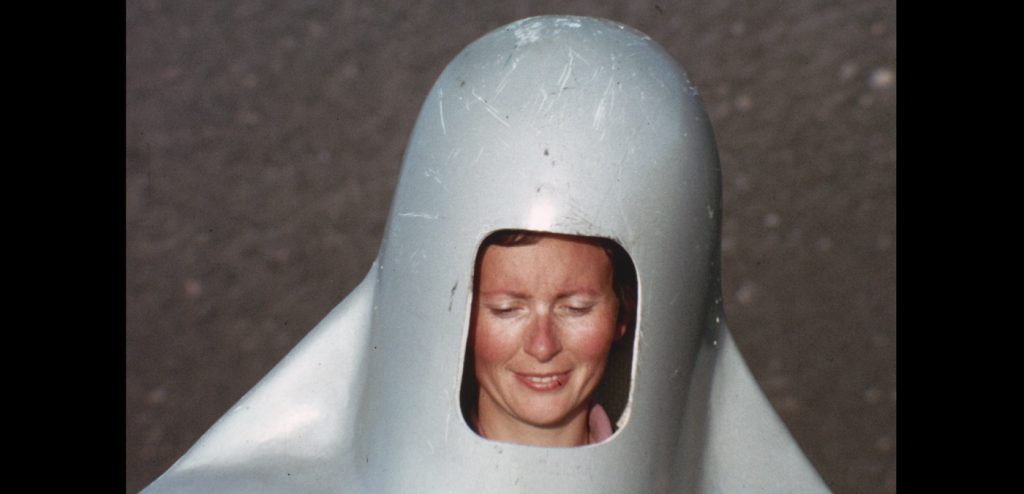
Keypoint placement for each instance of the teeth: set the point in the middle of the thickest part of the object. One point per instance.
(541, 380)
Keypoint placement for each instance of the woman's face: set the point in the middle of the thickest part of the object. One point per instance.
(545, 319)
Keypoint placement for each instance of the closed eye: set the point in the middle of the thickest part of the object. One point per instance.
(577, 310)
(503, 312)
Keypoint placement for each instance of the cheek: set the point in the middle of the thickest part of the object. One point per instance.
(491, 345)
(593, 342)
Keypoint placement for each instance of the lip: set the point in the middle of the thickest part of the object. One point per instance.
(543, 382)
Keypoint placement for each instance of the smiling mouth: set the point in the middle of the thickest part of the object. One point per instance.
(547, 382)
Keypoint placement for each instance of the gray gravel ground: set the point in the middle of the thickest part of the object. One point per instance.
(264, 140)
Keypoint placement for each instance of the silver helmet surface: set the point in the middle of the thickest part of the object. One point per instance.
(559, 124)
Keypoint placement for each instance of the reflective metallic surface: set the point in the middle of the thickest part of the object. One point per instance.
(563, 124)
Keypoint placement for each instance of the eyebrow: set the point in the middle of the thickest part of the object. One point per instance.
(573, 293)
(507, 293)
(520, 295)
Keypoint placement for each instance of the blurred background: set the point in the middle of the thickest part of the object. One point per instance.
(264, 140)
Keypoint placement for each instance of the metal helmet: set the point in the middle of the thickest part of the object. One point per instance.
(559, 124)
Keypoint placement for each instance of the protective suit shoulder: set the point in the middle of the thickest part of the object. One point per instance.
(748, 448)
(288, 433)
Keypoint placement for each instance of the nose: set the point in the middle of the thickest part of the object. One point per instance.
(542, 342)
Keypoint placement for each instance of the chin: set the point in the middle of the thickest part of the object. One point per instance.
(548, 415)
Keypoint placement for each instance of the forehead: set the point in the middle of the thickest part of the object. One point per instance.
(551, 259)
